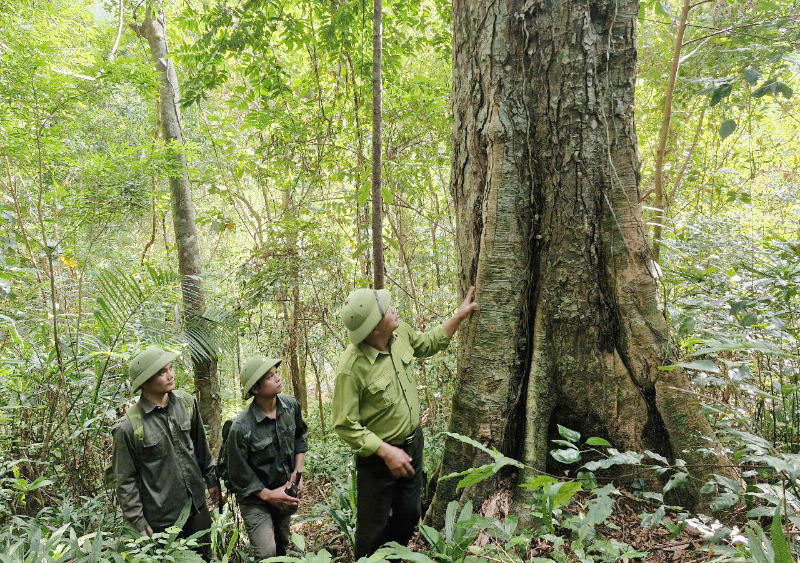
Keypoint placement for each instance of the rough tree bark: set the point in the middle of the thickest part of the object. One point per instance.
(206, 383)
(545, 178)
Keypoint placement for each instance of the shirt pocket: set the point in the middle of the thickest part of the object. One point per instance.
(380, 390)
(155, 449)
(186, 434)
(407, 357)
(263, 452)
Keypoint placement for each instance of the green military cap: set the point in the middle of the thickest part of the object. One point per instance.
(254, 369)
(363, 310)
(147, 363)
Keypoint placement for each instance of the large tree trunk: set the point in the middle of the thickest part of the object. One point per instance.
(545, 176)
(206, 383)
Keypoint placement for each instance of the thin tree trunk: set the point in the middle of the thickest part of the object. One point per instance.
(377, 116)
(290, 349)
(206, 382)
(411, 293)
(663, 135)
(317, 378)
(687, 160)
(362, 221)
(545, 178)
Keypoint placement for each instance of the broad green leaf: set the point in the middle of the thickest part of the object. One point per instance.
(657, 457)
(624, 458)
(564, 492)
(570, 435)
(471, 442)
(476, 475)
(675, 481)
(751, 75)
(727, 128)
(721, 92)
(774, 88)
(567, 456)
(700, 365)
(595, 441)
(539, 481)
(779, 544)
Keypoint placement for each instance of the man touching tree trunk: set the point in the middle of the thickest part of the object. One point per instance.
(545, 180)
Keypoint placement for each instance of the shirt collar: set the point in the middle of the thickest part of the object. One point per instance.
(372, 353)
(148, 407)
(260, 415)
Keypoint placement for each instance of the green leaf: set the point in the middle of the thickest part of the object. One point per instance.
(779, 544)
(675, 481)
(720, 93)
(476, 475)
(538, 482)
(595, 441)
(299, 541)
(773, 87)
(727, 128)
(724, 501)
(657, 457)
(402, 553)
(472, 442)
(570, 435)
(700, 365)
(562, 493)
(751, 75)
(567, 456)
(624, 458)
(663, 9)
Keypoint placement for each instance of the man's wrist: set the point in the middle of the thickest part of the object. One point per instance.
(383, 449)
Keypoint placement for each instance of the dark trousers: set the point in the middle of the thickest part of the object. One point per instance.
(198, 520)
(388, 508)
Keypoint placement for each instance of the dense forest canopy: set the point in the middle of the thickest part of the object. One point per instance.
(273, 104)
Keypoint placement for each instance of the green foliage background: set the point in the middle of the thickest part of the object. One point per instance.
(276, 110)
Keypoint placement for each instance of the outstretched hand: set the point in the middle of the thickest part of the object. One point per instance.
(464, 310)
(468, 305)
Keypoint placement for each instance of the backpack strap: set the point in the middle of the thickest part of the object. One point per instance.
(188, 402)
(134, 414)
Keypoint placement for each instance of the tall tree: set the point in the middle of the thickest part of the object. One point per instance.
(377, 117)
(545, 180)
(206, 383)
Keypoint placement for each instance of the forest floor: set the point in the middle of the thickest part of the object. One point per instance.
(624, 525)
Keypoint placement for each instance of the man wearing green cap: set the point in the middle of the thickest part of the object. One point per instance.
(161, 456)
(266, 446)
(376, 411)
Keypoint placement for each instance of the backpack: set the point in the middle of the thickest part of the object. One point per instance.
(134, 415)
(223, 472)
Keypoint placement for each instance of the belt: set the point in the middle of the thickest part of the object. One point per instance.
(407, 441)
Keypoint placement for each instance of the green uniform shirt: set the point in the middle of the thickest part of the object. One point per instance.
(154, 484)
(261, 450)
(375, 399)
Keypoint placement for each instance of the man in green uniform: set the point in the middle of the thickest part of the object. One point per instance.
(376, 411)
(266, 446)
(161, 455)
